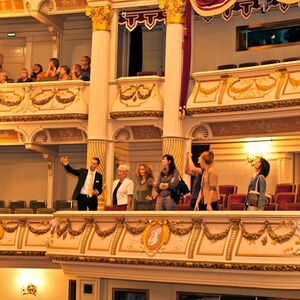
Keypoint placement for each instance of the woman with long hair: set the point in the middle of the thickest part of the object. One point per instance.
(167, 181)
(144, 191)
(209, 194)
(258, 183)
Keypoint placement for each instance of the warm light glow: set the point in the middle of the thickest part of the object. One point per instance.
(28, 281)
(255, 150)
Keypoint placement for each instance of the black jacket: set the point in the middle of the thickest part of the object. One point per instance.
(81, 174)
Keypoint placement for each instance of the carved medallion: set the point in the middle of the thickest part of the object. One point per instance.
(155, 235)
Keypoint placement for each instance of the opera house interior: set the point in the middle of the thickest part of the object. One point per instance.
(164, 77)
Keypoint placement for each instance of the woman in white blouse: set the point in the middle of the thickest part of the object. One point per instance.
(123, 189)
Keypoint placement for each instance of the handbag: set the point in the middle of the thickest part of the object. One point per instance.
(253, 196)
(180, 190)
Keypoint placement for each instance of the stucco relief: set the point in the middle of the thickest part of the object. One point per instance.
(66, 135)
(267, 126)
(146, 132)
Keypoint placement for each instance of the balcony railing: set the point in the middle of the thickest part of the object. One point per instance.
(43, 100)
(225, 243)
(138, 96)
(244, 89)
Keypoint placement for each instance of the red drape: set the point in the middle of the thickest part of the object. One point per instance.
(185, 77)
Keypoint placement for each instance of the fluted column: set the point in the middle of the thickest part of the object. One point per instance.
(101, 16)
(172, 123)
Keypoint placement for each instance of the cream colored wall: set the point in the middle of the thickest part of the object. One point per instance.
(51, 284)
(214, 43)
(23, 175)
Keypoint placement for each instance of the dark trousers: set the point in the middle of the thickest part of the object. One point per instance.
(85, 202)
(214, 206)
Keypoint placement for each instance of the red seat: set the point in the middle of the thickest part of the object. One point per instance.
(285, 188)
(236, 206)
(271, 206)
(298, 193)
(114, 208)
(225, 190)
(281, 199)
(236, 201)
(187, 199)
(292, 206)
(182, 207)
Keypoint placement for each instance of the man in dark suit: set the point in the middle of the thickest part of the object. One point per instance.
(89, 184)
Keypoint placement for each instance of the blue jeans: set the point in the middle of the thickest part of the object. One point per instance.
(165, 203)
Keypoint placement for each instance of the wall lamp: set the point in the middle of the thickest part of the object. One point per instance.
(31, 289)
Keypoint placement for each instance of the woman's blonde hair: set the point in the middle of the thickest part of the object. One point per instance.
(148, 171)
(208, 157)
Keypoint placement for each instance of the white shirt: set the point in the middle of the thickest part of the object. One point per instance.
(126, 189)
(85, 189)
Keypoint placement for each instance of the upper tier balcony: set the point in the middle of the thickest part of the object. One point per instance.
(273, 90)
(47, 100)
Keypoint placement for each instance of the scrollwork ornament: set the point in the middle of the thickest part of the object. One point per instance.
(101, 17)
(175, 10)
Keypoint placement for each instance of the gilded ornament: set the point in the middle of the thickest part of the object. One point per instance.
(293, 81)
(207, 91)
(136, 92)
(214, 237)
(155, 236)
(101, 17)
(175, 10)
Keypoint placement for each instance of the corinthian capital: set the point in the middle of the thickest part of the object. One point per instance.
(101, 16)
(175, 10)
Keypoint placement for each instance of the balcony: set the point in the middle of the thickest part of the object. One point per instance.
(273, 90)
(137, 97)
(53, 100)
(213, 247)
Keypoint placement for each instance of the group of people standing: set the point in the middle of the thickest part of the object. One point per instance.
(150, 194)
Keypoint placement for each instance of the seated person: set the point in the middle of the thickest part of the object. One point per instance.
(86, 67)
(53, 66)
(36, 70)
(77, 73)
(24, 76)
(64, 73)
(3, 77)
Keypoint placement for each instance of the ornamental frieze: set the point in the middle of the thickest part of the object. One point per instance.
(252, 127)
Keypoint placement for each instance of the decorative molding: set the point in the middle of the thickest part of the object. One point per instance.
(123, 134)
(136, 114)
(43, 118)
(200, 132)
(243, 107)
(180, 263)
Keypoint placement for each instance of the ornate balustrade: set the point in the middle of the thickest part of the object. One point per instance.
(262, 247)
(138, 96)
(52, 100)
(246, 89)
